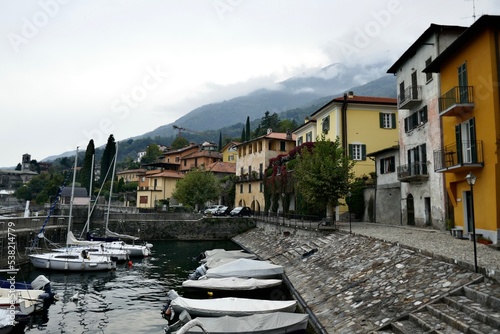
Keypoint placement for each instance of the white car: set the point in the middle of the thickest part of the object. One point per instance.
(213, 209)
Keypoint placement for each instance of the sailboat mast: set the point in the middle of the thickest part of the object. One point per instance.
(90, 193)
(72, 191)
(111, 188)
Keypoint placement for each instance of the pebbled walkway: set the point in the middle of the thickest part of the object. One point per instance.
(360, 282)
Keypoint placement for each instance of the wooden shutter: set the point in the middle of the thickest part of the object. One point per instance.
(381, 120)
(393, 120)
(473, 146)
(392, 164)
(458, 137)
(363, 152)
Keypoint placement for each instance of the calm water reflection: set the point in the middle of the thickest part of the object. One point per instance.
(128, 300)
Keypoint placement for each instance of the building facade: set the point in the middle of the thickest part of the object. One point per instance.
(469, 110)
(423, 199)
(253, 159)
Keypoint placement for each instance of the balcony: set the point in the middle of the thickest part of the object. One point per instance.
(411, 97)
(459, 157)
(413, 172)
(457, 101)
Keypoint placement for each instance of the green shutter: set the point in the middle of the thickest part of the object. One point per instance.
(381, 119)
(393, 120)
(363, 152)
(350, 151)
(473, 147)
(381, 166)
(392, 167)
(458, 137)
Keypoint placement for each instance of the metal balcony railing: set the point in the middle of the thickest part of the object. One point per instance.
(412, 95)
(457, 100)
(457, 155)
(414, 171)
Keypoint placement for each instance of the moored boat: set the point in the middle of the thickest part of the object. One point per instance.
(246, 268)
(71, 261)
(232, 306)
(269, 323)
(231, 284)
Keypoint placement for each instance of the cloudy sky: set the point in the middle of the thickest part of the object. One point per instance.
(72, 70)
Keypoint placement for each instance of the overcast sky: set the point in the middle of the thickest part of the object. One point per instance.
(72, 70)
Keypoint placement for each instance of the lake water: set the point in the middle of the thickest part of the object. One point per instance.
(128, 300)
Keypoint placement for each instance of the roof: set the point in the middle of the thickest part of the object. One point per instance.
(482, 23)
(79, 192)
(303, 125)
(384, 150)
(209, 154)
(412, 50)
(222, 167)
(168, 174)
(272, 135)
(130, 171)
(360, 100)
(231, 143)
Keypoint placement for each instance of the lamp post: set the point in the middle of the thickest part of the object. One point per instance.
(471, 180)
(349, 209)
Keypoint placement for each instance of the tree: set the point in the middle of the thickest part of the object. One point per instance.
(220, 141)
(179, 142)
(196, 188)
(243, 136)
(267, 122)
(87, 171)
(323, 174)
(247, 129)
(107, 158)
(153, 152)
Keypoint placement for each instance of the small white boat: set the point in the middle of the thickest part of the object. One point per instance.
(231, 283)
(134, 250)
(224, 254)
(269, 323)
(118, 255)
(72, 261)
(25, 301)
(246, 268)
(232, 306)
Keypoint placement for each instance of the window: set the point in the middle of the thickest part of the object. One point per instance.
(299, 141)
(325, 124)
(428, 76)
(309, 137)
(466, 141)
(387, 120)
(401, 91)
(417, 160)
(143, 199)
(463, 83)
(282, 146)
(262, 187)
(230, 158)
(387, 165)
(241, 188)
(249, 187)
(419, 117)
(357, 151)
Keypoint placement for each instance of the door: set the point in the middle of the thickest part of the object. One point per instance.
(410, 210)
(463, 83)
(414, 87)
(428, 218)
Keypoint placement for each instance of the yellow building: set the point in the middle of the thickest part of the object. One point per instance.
(130, 175)
(470, 115)
(155, 186)
(363, 124)
(230, 152)
(253, 159)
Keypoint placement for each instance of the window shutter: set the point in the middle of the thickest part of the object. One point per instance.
(392, 166)
(407, 119)
(363, 152)
(458, 136)
(350, 151)
(381, 166)
(393, 120)
(381, 119)
(472, 131)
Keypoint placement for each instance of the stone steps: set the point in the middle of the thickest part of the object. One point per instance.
(474, 309)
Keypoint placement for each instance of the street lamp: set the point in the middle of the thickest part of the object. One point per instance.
(349, 209)
(471, 180)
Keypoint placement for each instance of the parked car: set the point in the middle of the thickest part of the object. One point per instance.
(241, 211)
(212, 209)
(224, 211)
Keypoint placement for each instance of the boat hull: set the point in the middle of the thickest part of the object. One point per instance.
(69, 262)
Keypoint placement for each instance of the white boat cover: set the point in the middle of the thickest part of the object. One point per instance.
(233, 306)
(231, 283)
(39, 282)
(233, 254)
(5, 319)
(270, 323)
(246, 268)
(110, 233)
(72, 240)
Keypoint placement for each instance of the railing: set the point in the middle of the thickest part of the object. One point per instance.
(305, 222)
(465, 153)
(413, 170)
(410, 94)
(456, 96)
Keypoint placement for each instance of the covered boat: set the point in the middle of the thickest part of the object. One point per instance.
(270, 323)
(232, 306)
(224, 254)
(231, 284)
(246, 268)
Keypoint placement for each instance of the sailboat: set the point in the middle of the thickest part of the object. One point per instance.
(70, 260)
(113, 240)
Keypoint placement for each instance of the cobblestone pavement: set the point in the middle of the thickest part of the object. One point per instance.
(439, 244)
(356, 283)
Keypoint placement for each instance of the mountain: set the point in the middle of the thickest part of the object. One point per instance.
(294, 98)
(301, 91)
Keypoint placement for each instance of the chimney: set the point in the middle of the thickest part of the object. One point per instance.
(269, 131)
(350, 94)
(288, 134)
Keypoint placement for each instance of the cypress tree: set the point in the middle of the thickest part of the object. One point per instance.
(107, 158)
(86, 173)
(247, 131)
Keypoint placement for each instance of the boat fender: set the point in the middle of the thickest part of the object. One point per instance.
(129, 263)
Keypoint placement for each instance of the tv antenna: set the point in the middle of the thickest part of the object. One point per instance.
(473, 9)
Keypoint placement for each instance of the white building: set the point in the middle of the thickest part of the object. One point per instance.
(423, 197)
